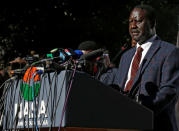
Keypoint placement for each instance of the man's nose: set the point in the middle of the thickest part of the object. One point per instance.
(133, 24)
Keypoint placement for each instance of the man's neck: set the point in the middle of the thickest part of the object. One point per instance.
(151, 37)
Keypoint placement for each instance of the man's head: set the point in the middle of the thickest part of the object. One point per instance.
(142, 22)
(88, 46)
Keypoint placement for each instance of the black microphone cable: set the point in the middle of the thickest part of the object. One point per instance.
(26, 84)
(55, 104)
(67, 96)
(6, 88)
(37, 72)
(19, 105)
(6, 94)
(60, 94)
(7, 84)
(49, 94)
(54, 98)
(20, 100)
(15, 122)
(44, 95)
(20, 94)
(54, 77)
(34, 98)
(12, 94)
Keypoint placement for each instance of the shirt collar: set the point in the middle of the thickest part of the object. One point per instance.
(148, 43)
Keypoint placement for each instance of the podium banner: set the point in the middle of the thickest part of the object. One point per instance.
(44, 110)
(87, 102)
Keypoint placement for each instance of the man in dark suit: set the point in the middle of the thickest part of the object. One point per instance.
(152, 78)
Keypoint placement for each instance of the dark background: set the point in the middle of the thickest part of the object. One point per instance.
(42, 25)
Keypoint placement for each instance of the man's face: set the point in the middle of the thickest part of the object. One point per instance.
(139, 26)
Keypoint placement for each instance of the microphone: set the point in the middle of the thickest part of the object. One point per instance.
(78, 52)
(58, 55)
(18, 72)
(22, 71)
(73, 54)
(62, 55)
(92, 55)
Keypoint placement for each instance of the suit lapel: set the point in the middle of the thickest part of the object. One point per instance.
(127, 62)
(154, 48)
(151, 52)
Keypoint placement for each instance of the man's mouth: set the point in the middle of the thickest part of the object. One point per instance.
(135, 33)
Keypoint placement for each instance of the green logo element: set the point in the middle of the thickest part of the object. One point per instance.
(29, 92)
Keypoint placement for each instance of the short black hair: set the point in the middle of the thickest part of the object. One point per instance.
(88, 45)
(150, 13)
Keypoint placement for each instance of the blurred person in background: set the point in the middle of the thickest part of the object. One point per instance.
(99, 63)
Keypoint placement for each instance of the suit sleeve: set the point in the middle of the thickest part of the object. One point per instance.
(114, 76)
(168, 90)
(109, 76)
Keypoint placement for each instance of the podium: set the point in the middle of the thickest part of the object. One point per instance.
(89, 105)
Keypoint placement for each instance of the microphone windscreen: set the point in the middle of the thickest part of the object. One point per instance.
(92, 55)
(78, 52)
(53, 50)
(68, 52)
(62, 56)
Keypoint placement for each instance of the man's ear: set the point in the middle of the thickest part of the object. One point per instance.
(153, 27)
(153, 24)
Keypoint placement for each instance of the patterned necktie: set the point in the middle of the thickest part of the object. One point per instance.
(134, 69)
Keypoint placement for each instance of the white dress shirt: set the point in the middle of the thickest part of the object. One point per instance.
(145, 48)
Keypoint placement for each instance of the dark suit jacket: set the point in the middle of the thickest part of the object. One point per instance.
(157, 79)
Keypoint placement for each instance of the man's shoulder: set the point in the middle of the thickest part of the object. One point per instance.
(128, 54)
(166, 47)
(165, 44)
(129, 51)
